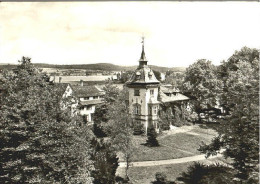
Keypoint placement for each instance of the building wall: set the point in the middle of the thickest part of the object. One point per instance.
(68, 92)
(88, 110)
(143, 99)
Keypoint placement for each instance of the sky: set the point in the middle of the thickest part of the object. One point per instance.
(176, 33)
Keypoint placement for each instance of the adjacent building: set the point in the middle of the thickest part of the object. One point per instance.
(85, 98)
(88, 98)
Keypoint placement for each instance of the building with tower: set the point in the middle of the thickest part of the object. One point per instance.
(145, 95)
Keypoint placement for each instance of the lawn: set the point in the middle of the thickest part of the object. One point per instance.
(145, 175)
(173, 144)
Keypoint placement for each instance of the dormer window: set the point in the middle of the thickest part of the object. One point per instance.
(138, 75)
(150, 74)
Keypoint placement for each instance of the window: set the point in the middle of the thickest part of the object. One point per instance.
(137, 109)
(151, 92)
(154, 110)
(150, 74)
(89, 107)
(85, 118)
(86, 98)
(137, 92)
(150, 110)
(95, 97)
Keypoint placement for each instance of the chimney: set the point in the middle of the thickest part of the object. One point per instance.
(81, 83)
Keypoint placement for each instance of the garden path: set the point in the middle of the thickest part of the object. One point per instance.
(171, 161)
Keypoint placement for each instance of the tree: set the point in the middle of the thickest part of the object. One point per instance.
(202, 174)
(40, 142)
(125, 76)
(175, 79)
(105, 162)
(120, 128)
(166, 117)
(201, 82)
(100, 116)
(151, 137)
(239, 132)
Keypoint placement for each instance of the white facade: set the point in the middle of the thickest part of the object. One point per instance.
(85, 106)
(87, 111)
(145, 95)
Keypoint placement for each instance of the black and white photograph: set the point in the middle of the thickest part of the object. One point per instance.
(129, 92)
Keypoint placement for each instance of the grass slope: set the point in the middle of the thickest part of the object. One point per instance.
(144, 175)
(172, 144)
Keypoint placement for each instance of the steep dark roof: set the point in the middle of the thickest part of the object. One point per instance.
(86, 91)
(143, 75)
(60, 88)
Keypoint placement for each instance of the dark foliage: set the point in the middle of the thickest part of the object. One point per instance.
(151, 137)
(203, 174)
(161, 178)
(105, 162)
(98, 130)
(40, 141)
(125, 76)
(120, 180)
(100, 117)
(239, 130)
(138, 128)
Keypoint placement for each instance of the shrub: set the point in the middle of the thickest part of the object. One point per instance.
(98, 130)
(138, 128)
(151, 137)
(161, 178)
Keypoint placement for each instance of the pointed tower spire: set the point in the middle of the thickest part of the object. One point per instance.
(142, 60)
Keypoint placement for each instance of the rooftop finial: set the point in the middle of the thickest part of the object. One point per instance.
(143, 42)
(143, 53)
(142, 60)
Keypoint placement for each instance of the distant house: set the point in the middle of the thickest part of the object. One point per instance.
(85, 98)
(88, 98)
(65, 91)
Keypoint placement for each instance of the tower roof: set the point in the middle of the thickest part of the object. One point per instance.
(143, 74)
(142, 58)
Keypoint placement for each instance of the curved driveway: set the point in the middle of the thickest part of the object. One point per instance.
(171, 161)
